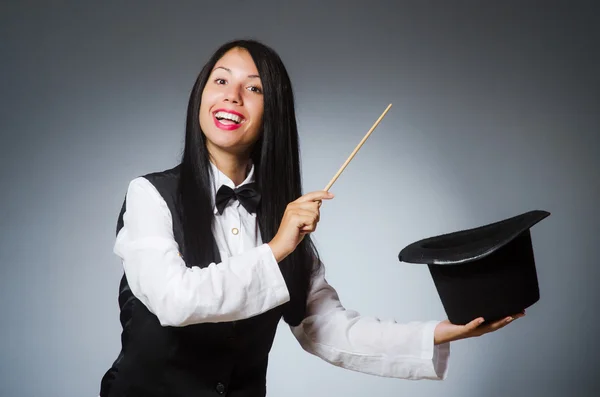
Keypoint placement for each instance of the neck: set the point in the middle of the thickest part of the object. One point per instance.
(235, 167)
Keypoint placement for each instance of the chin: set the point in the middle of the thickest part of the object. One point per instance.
(234, 146)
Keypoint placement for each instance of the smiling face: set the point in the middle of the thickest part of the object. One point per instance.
(231, 108)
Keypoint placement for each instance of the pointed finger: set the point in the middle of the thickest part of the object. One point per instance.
(315, 196)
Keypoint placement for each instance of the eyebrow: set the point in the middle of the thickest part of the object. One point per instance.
(252, 76)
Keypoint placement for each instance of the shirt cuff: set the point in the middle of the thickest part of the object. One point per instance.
(273, 272)
(438, 354)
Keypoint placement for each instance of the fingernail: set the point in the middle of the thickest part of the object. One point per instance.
(508, 320)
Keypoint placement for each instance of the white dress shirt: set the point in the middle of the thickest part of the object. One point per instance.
(248, 282)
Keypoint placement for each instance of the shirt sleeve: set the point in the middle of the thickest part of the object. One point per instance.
(366, 344)
(238, 287)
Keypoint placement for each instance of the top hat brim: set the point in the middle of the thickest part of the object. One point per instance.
(471, 244)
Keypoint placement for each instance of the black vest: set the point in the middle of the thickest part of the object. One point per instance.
(210, 359)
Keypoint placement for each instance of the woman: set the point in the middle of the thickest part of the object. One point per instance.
(217, 250)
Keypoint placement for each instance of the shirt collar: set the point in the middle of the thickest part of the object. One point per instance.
(219, 179)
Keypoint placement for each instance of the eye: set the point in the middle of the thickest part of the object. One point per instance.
(220, 81)
(256, 89)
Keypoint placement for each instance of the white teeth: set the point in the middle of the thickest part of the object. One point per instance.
(228, 116)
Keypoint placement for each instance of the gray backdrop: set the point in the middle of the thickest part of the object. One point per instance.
(495, 112)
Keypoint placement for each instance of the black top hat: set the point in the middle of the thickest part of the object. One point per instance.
(488, 271)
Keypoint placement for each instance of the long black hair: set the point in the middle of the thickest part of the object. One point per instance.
(276, 158)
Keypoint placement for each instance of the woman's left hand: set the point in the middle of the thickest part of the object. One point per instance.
(448, 332)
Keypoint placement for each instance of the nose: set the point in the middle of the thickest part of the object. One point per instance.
(232, 94)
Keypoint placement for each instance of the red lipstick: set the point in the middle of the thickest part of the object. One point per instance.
(227, 127)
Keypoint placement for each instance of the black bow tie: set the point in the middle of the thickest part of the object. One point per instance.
(247, 195)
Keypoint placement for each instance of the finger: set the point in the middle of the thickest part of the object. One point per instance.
(473, 325)
(510, 319)
(308, 229)
(306, 209)
(313, 225)
(467, 330)
(307, 205)
(507, 320)
(307, 212)
(304, 219)
(315, 196)
(496, 325)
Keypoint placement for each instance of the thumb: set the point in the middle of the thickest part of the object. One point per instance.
(474, 324)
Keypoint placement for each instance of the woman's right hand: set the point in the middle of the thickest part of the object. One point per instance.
(301, 217)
